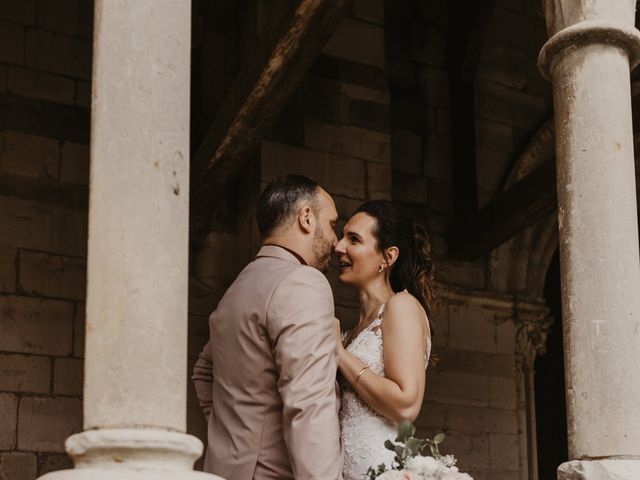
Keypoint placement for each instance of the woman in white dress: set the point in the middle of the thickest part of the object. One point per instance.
(383, 359)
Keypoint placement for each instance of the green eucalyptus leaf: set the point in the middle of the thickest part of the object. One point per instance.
(389, 445)
(413, 446)
(438, 438)
(405, 430)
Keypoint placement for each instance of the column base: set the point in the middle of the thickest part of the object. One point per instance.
(132, 454)
(608, 469)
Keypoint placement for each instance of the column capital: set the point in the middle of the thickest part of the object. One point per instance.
(533, 323)
(589, 32)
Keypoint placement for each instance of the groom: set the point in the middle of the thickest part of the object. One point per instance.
(266, 379)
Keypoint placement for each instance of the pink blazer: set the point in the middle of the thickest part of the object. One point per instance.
(266, 378)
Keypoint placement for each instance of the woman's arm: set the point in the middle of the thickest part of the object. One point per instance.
(399, 395)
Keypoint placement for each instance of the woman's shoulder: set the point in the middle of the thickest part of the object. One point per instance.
(404, 303)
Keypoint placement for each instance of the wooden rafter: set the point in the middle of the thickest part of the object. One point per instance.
(235, 133)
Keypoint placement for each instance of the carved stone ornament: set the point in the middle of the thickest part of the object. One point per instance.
(533, 323)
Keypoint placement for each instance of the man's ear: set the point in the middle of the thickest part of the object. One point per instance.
(306, 219)
(391, 255)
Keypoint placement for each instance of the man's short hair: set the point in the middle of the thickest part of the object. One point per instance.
(278, 201)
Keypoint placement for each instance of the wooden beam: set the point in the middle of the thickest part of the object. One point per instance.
(471, 17)
(518, 207)
(236, 132)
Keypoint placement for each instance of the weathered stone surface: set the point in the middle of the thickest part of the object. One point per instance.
(36, 84)
(471, 450)
(432, 415)
(11, 43)
(68, 376)
(83, 94)
(18, 466)
(24, 373)
(457, 388)
(462, 273)
(52, 275)
(505, 337)
(357, 41)
(464, 418)
(74, 166)
(33, 325)
(78, 331)
(8, 258)
(502, 392)
(472, 328)
(71, 17)
(29, 155)
(8, 420)
(504, 452)
(45, 423)
(370, 115)
(466, 361)
(434, 86)
(52, 462)
(58, 54)
(614, 469)
(4, 73)
(348, 141)
(369, 10)
(338, 175)
(406, 151)
(26, 224)
(378, 181)
(504, 104)
(23, 12)
(430, 46)
(409, 188)
(69, 231)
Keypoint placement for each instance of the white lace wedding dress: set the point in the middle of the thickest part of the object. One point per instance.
(363, 430)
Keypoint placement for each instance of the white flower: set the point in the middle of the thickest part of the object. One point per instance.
(395, 475)
(424, 465)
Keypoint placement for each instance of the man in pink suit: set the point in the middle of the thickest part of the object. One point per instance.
(266, 378)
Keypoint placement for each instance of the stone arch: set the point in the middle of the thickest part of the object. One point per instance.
(519, 265)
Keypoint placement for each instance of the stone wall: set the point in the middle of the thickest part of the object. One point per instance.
(45, 68)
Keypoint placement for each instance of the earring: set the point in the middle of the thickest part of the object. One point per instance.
(381, 268)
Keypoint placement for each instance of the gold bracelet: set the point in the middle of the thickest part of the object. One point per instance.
(355, 382)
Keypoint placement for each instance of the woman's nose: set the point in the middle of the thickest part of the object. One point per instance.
(339, 248)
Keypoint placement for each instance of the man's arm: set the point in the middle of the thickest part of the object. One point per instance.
(301, 325)
(202, 378)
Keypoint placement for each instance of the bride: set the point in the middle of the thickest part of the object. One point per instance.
(383, 359)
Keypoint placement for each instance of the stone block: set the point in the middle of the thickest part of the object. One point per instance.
(512, 29)
(437, 158)
(409, 188)
(463, 418)
(502, 392)
(413, 115)
(69, 231)
(370, 115)
(18, 466)
(24, 373)
(71, 17)
(52, 275)
(33, 325)
(45, 423)
(443, 122)
(52, 462)
(429, 45)
(358, 92)
(462, 273)
(8, 269)
(406, 151)
(346, 208)
(4, 73)
(503, 104)
(403, 78)
(434, 86)
(494, 135)
(471, 450)
(83, 94)
(440, 195)
(29, 155)
(464, 361)
(23, 12)
(432, 416)
(440, 320)
(68, 376)
(378, 181)
(504, 452)
(25, 224)
(357, 41)
(11, 42)
(503, 64)
(8, 420)
(457, 388)
(338, 175)
(348, 141)
(472, 328)
(506, 337)
(61, 54)
(46, 86)
(216, 259)
(78, 330)
(605, 469)
(369, 10)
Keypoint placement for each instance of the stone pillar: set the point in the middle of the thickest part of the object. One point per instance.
(533, 323)
(592, 45)
(136, 332)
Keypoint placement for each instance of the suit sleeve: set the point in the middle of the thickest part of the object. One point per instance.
(202, 378)
(300, 323)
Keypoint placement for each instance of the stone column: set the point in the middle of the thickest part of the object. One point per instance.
(592, 45)
(136, 332)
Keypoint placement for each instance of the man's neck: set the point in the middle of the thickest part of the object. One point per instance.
(292, 246)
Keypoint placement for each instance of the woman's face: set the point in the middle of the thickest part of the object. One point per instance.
(358, 258)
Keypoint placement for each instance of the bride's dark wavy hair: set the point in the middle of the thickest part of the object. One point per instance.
(413, 270)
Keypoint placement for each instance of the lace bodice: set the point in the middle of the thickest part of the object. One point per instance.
(363, 430)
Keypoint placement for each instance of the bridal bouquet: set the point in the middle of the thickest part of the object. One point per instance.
(409, 464)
